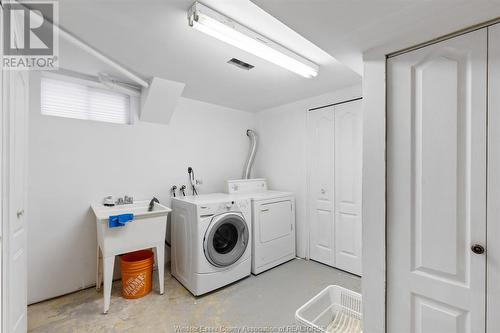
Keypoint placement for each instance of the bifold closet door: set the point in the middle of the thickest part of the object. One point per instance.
(321, 195)
(436, 187)
(335, 146)
(347, 179)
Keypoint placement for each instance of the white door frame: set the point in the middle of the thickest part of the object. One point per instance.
(374, 180)
(307, 229)
(373, 194)
(493, 185)
(2, 181)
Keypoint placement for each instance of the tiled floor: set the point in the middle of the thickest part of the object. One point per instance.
(265, 302)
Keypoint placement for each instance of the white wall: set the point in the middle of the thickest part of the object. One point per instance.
(73, 163)
(282, 150)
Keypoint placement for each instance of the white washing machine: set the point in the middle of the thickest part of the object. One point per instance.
(210, 238)
(273, 222)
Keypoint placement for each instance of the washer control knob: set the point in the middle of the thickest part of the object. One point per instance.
(228, 205)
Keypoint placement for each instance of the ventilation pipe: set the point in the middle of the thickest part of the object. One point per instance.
(251, 154)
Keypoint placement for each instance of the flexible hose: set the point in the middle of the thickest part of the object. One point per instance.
(251, 154)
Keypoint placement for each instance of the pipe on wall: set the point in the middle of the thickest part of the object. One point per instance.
(251, 154)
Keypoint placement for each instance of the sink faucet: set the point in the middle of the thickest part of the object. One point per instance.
(124, 201)
(152, 204)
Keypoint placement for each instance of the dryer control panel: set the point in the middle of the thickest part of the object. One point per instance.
(244, 186)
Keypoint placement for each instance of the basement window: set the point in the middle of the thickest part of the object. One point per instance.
(63, 96)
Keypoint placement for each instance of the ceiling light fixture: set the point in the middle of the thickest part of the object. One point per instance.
(225, 29)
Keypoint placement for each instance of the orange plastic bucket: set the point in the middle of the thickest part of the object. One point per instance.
(137, 273)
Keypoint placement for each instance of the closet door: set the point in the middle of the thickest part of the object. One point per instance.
(335, 146)
(436, 187)
(347, 174)
(321, 196)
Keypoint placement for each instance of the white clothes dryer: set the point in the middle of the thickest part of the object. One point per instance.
(273, 222)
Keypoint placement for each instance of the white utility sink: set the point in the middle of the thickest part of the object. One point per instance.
(139, 209)
(147, 230)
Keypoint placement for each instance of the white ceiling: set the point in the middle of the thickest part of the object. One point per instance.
(347, 28)
(153, 39)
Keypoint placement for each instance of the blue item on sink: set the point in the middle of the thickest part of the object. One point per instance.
(120, 220)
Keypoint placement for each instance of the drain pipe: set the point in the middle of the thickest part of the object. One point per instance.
(251, 154)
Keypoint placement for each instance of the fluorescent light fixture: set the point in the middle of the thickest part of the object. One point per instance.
(223, 28)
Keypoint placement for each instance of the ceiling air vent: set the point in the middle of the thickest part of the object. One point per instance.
(240, 64)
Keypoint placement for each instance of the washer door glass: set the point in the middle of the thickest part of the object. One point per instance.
(226, 239)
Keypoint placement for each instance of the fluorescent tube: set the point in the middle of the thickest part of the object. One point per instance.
(223, 28)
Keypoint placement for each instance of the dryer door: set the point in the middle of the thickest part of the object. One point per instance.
(273, 235)
(226, 239)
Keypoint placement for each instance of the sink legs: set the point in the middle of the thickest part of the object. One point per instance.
(108, 265)
(160, 261)
(104, 267)
(104, 272)
(98, 279)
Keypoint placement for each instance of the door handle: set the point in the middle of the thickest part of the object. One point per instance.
(20, 213)
(477, 249)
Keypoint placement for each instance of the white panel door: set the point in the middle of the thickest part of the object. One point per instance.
(15, 263)
(321, 196)
(348, 157)
(436, 187)
(14, 242)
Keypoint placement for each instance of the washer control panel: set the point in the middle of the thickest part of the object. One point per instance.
(242, 205)
(228, 206)
(208, 209)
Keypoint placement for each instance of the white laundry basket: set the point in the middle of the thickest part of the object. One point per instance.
(334, 309)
